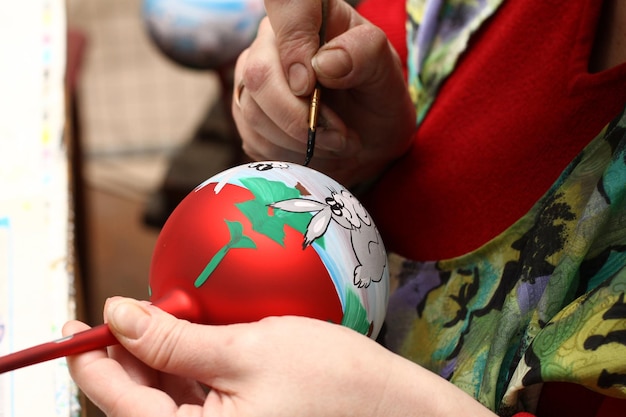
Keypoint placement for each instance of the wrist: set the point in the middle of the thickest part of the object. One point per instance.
(413, 390)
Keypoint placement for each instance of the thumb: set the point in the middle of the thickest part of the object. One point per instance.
(296, 25)
(166, 343)
(360, 57)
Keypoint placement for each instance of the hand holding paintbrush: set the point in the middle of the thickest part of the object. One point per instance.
(306, 48)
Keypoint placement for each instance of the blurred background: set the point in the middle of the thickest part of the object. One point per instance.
(151, 86)
(151, 124)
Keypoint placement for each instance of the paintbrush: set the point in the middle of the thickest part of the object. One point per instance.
(315, 97)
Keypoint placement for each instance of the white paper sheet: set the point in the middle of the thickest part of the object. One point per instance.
(35, 280)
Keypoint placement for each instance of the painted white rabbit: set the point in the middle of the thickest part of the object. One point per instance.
(350, 214)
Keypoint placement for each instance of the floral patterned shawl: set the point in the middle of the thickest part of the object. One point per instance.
(544, 301)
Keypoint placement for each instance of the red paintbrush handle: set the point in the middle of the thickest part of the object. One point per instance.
(176, 303)
(95, 338)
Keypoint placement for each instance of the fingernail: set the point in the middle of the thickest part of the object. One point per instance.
(332, 63)
(298, 79)
(127, 318)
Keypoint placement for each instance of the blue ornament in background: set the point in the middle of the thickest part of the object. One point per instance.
(202, 34)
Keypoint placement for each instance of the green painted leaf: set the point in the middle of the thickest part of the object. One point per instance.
(237, 238)
(267, 191)
(257, 211)
(237, 241)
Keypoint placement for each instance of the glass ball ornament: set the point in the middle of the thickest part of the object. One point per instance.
(274, 238)
(202, 34)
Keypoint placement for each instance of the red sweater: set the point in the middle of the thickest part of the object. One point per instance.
(518, 108)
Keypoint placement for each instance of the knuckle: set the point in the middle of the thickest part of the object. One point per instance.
(256, 72)
(298, 36)
(163, 353)
(378, 37)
